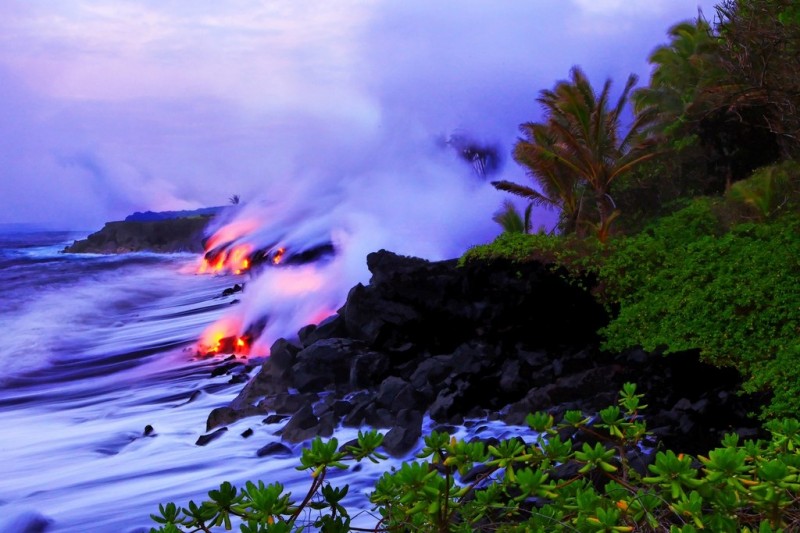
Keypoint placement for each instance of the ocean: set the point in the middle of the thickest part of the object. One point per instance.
(95, 349)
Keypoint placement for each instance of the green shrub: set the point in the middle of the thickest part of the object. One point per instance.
(734, 296)
(550, 484)
(578, 256)
(771, 191)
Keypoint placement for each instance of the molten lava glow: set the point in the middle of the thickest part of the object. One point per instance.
(230, 232)
(236, 260)
(223, 338)
(239, 259)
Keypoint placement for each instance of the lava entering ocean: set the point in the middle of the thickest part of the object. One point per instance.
(231, 251)
(304, 240)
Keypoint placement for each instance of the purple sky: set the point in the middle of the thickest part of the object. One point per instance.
(112, 106)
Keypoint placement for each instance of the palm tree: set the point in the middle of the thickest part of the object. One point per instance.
(559, 189)
(511, 220)
(683, 69)
(579, 147)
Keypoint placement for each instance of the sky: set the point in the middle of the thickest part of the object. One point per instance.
(113, 106)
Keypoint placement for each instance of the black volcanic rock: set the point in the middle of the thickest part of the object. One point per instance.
(324, 363)
(273, 448)
(454, 342)
(214, 435)
(405, 434)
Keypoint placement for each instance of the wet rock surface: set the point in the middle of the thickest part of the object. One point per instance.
(475, 341)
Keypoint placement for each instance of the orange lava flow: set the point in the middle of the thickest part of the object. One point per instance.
(223, 338)
(236, 260)
(225, 256)
(230, 232)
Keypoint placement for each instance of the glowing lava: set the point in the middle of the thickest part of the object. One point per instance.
(223, 338)
(231, 232)
(235, 260)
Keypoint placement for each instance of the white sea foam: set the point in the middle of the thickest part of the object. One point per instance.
(72, 447)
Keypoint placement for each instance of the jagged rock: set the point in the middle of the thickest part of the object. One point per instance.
(288, 403)
(331, 327)
(405, 434)
(512, 382)
(214, 435)
(275, 419)
(282, 356)
(395, 394)
(361, 405)
(372, 319)
(232, 290)
(272, 378)
(325, 363)
(533, 359)
(225, 368)
(273, 448)
(304, 425)
(330, 404)
(303, 333)
(431, 371)
(368, 369)
(379, 417)
(222, 416)
(458, 341)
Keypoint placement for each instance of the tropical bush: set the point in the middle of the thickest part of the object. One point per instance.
(687, 283)
(574, 255)
(583, 473)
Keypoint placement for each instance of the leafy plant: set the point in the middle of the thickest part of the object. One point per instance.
(580, 150)
(526, 486)
(687, 283)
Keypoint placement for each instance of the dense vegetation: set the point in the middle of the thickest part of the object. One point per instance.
(686, 225)
(703, 254)
(719, 276)
(583, 473)
(692, 281)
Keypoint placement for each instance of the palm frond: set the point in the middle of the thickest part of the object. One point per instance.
(533, 195)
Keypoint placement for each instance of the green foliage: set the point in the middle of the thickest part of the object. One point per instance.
(511, 220)
(577, 256)
(525, 486)
(770, 192)
(687, 283)
(578, 151)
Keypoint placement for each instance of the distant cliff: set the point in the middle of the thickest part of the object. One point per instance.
(163, 236)
(149, 216)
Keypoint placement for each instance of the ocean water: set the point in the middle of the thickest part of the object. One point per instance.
(94, 349)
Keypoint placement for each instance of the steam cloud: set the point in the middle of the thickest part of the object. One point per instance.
(430, 205)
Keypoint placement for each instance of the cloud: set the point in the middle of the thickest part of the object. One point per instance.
(112, 105)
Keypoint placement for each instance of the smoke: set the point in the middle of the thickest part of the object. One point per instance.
(415, 197)
(378, 174)
(326, 120)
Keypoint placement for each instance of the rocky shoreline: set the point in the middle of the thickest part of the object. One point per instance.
(486, 341)
(162, 236)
